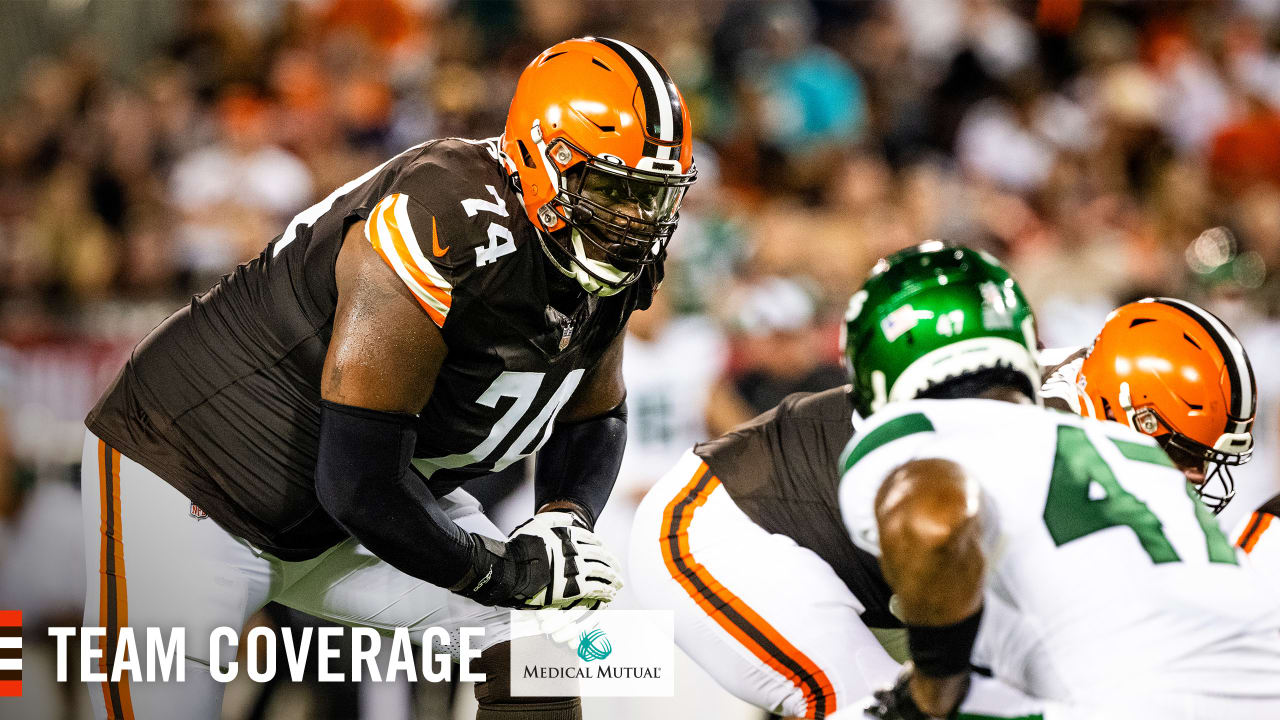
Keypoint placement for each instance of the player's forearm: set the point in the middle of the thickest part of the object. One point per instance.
(579, 464)
(931, 541)
(363, 482)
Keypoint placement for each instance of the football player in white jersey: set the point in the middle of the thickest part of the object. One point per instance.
(1147, 369)
(1132, 602)
(1172, 370)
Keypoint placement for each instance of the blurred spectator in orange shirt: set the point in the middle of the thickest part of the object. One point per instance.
(387, 23)
(1247, 151)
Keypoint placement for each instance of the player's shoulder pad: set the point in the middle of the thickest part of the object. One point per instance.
(832, 404)
(895, 422)
(1253, 527)
(433, 224)
(1271, 506)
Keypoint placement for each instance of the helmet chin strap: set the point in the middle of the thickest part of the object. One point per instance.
(1126, 404)
(610, 273)
(577, 269)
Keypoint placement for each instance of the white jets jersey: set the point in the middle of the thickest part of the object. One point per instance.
(669, 381)
(1124, 581)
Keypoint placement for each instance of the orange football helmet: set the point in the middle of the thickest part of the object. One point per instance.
(1172, 370)
(603, 150)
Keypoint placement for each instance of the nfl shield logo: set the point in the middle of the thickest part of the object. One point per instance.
(565, 336)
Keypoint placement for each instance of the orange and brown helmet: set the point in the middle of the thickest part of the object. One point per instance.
(603, 150)
(1173, 370)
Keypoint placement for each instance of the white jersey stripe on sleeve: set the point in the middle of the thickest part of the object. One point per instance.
(383, 236)
(411, 243)
(313, 213)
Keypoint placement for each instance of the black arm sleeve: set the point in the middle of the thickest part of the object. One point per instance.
(364, 482)
(580, 462)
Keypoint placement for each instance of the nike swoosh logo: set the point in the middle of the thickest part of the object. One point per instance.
(435, 241)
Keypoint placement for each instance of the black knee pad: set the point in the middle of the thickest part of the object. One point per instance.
(532, 709)
(494, 694)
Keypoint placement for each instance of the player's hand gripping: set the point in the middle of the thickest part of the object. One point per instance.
(549, 561)
(896, 703)
(580, 566)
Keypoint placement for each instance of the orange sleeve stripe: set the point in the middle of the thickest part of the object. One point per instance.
(1248, 528)
(730, 611)
(1250, 539)
(441, 297)
(398, 242)
(436, 316)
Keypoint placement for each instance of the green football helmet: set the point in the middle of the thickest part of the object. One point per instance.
(931, 313)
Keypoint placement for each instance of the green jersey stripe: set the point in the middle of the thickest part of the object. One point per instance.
(896, 428)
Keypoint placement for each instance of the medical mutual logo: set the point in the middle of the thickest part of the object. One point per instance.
(594, 645)
(606, 653)
(10, 653)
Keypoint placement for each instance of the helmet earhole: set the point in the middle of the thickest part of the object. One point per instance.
(526, 155)
(1106, 410)
(563, 156)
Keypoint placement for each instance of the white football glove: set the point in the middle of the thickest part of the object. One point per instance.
(581, 567)
(565, 624)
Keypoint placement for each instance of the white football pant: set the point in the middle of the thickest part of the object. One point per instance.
(152, 562)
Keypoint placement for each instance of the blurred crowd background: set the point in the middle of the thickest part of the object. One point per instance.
(1105, 150)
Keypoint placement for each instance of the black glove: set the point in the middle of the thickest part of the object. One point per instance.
(506, 574)
(896, 703)
(549, 561)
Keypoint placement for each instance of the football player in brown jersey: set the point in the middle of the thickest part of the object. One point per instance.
(444, 315)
